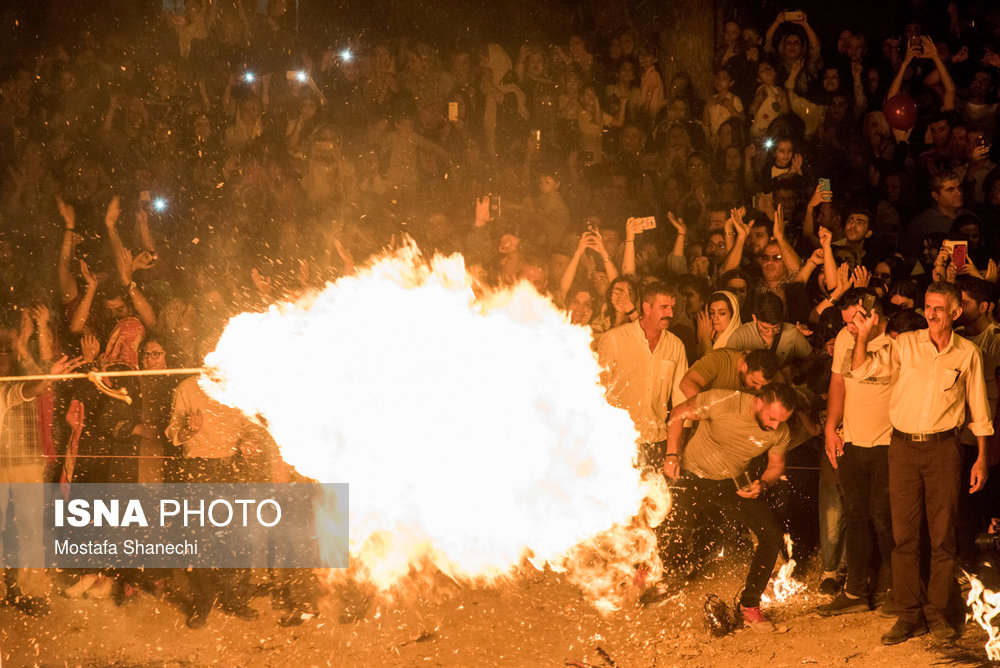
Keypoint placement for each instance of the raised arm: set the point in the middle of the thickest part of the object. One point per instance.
(574, 262)
(930, 51)
(633, 228)
(788, 255)
(897, 82)
(68, 288)
(735, 255)
(82, 312)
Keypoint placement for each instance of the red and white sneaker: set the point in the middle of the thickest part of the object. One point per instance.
(756, 620)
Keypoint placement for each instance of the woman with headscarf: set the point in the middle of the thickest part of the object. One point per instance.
(718, 321)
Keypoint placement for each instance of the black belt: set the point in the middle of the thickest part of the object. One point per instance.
(935, 437)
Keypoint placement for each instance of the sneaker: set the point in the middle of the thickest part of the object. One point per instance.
(102, 589)
(81, 586)
(902, 631)
(756, 620)
(829, 587)
(246, 613)
(843, 605)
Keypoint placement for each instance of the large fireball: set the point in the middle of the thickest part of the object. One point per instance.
(473, 430)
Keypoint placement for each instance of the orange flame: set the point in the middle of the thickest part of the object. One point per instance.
(783, 586)
(985, 605)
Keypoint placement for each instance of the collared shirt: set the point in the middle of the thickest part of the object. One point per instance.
(866, 400)
(642, 382)
(792, 346)
(222, 428)
(931, 388)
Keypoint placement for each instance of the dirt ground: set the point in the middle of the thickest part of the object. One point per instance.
(535, 620)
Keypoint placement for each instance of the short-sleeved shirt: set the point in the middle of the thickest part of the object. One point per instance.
(792, 346)
(866, 402)
(721, 369)
(728, 436)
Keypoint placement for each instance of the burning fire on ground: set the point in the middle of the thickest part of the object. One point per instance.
(783, 585)
(985, 608)
(473, 430)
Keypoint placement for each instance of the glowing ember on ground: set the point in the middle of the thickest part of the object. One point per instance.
(985, 605)
(473, 431)
(783, 586)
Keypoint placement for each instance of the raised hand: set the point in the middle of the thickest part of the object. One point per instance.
(705, 327)
(736, 215)
(861, 277)
(678, 223)
(90, 346)
(88, 278)
(825, 238)
(779, 223)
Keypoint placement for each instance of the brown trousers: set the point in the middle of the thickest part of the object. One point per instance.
(924, 478)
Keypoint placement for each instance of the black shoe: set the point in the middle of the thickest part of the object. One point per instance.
(942, 630)
(842, 605)
(829, 587)
(197, 620)
(296, 618)
(902, 631)
(33, 606)
(246, 613)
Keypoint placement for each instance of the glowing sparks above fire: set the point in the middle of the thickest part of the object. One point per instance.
(473, 431)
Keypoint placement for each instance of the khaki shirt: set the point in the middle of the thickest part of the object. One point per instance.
(728, 436)
(930, 388)
(866, 400)
(644, 383)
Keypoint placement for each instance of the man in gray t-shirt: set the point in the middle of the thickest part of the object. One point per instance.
(733, 428)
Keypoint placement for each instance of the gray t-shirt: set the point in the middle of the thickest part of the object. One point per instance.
(728, 436)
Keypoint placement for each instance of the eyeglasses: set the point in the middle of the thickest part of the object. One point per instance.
(154, 353)
(770, 258)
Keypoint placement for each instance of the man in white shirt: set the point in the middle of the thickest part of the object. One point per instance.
(862, 457)
(936, 375)
(643, 366)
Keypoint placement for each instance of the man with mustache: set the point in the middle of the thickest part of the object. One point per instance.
(643, 366)
(733, 428)
(936, 374)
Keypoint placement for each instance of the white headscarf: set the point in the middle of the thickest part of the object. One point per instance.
(734, 305)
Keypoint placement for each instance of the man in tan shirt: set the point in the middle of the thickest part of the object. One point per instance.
(733, 428)
(643, 366)
(860, 451)
(936, 375)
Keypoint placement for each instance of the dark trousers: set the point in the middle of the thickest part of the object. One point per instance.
(229, 586)
(864, 476)
(924, 481)
(755, 515)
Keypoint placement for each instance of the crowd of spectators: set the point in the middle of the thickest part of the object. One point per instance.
(157, 184)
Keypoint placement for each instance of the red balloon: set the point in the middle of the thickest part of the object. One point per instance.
(900, 111)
